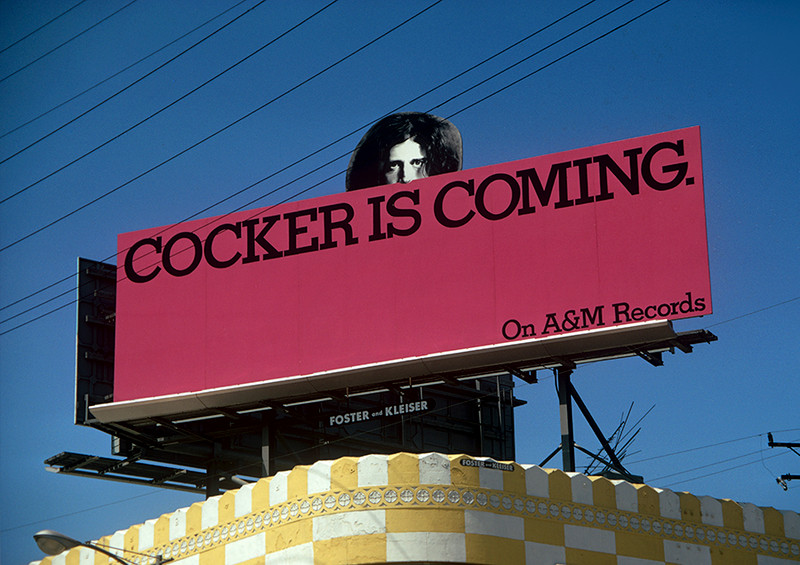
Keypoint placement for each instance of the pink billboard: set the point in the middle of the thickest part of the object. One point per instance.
(468, 261)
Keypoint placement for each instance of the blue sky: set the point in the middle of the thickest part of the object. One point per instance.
(729, 67)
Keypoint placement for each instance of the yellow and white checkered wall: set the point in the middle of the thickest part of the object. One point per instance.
(409, 508)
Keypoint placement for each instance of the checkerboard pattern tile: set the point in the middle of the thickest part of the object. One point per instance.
(412, 508)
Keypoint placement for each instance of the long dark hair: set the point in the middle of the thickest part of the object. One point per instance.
(439, 139)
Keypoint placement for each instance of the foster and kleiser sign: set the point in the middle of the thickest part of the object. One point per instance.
(586, 239)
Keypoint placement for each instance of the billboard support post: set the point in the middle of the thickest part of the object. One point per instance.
(567, 433)
(566, 394)
(212, 483)
(265, 448)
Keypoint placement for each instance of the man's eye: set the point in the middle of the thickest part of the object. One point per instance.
(393, 166)
(417, 163)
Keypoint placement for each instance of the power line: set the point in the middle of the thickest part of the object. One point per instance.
(306, 157)
(756, 311)
(707, 465)
(718, 472)
(333, 176)
(77, 512)
(116, 74)
(296, 179)
(74, 37)
(712, 324)
(225, 128)
(287, 184)
(71, 302)
(41, 27)
(137, 81)
(692, 449)
(699, 448)
(496, 92)
(372, 430)
(554, 43)
(329, 162)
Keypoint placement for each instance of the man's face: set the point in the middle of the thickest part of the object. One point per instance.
(407, 162)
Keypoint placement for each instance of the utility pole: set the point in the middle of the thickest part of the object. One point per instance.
(791, 446)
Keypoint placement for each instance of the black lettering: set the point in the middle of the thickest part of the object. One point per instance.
(438, 205)
(197, 246)
(260, 239)
(679, 169)
(211, 259)
(629, 181)
(570, 321)
(686, 306)
(551, 323)
(512, 329)
(480, 196)
(529, 178)
(130, 272)
(700, 304)
(396, 212)
(295, 230)
(583, 180)
(342, 224)
(515, 328)
(377, 233)
(592, 318)
(621, 309)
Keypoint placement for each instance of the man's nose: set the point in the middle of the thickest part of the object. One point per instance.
(404, 175)
(410, 173)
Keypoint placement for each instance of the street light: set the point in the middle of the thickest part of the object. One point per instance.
(53, 543)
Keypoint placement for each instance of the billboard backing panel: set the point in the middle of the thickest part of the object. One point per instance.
(586, 239)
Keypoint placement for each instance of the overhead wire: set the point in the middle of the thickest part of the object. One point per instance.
(707, 465)
(41, 27)
(236, 470)
(298, 161)
(554, 43)
(137, 81)
(693, 449)
(225, 128)
(73, 38)
(717, 472)
(122, 70)
(666, 476)
(756, 311)
(596, 39)
(338, 173)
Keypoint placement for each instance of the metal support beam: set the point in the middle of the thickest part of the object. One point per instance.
(565, 408)
(654, 358)
(566, 394)
(212, 474)
(265, 446)
(617, 464)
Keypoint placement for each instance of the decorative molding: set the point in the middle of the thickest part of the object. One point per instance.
(365, 499)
